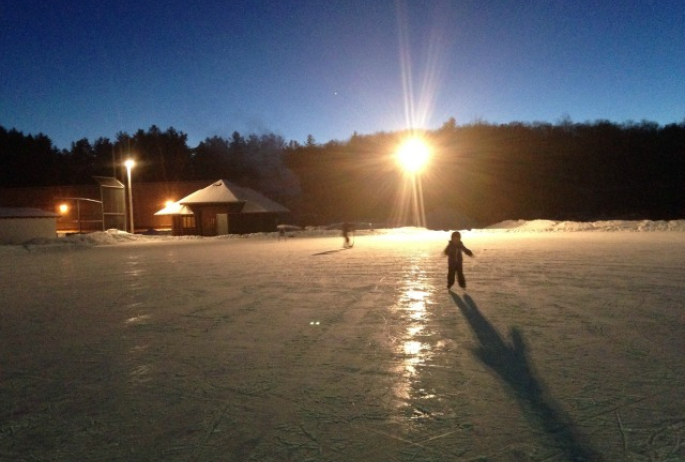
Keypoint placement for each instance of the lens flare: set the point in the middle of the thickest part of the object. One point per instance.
(413, 155)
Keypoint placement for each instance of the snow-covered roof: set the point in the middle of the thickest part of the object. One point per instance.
(224, 192)
(10, 212)
(255, 202)
(175, 208)
(218, 192)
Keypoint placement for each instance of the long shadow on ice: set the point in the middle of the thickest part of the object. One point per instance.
(326, 252)
(510, 362)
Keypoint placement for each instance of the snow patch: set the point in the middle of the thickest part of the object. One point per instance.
(116, 237)
(540, 226)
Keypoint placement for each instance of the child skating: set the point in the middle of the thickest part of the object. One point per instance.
(455, 261)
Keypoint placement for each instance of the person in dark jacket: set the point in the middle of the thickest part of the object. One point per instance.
(346, 230)
(455, 260)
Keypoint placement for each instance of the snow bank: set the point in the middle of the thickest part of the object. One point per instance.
(566, 226)
(116, 237)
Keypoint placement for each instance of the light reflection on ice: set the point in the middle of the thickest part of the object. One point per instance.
(141, 374)
(133, 270)
(139, 349)
(416, 303)
(414, 330)
(412, 305)
(138, 319)
(412, 348)
(410, 234)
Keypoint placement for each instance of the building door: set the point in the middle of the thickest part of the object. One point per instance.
(207, 223)
(221, 223)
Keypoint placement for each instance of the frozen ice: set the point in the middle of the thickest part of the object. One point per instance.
(567, 345)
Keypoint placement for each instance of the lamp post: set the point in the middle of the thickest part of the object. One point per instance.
(130, 163)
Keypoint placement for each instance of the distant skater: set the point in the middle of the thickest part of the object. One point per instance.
(455, 261)
(346, 229)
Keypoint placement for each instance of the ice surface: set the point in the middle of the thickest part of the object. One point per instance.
(566, 346)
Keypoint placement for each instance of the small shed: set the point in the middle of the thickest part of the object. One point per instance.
(225, 208)
(182, 219)
(18, 225)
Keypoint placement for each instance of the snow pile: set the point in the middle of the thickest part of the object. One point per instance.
(567, 226)
(116, 237)
(109, 237)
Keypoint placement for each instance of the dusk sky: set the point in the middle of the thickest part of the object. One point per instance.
(89, 69)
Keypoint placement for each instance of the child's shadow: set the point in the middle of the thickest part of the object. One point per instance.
(510, 362)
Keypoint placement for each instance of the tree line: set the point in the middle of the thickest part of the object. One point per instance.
(486, 172)
(489, 173)
(28, 160)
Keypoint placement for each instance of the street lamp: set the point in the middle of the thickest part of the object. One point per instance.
(130, 163)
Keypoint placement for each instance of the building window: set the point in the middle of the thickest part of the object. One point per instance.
(188, 221)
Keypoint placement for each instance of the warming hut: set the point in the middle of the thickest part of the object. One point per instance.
(182, 219)
(224, 208)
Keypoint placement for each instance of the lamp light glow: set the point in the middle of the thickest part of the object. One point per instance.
(130, 163)
(413, 155)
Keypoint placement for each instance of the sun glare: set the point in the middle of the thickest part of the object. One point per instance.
(413, 155)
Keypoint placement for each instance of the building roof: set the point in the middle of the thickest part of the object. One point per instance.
(109, 182)
(218, 192)
(175, 208)
(224, 192)
(11, 212)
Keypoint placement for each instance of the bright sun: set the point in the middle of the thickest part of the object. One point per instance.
(413, 155)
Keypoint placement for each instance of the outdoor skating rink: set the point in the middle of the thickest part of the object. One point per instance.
(566, 346)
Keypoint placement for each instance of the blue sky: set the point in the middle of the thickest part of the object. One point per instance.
(328, 68)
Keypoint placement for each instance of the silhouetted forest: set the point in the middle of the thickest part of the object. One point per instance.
(482, 172)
